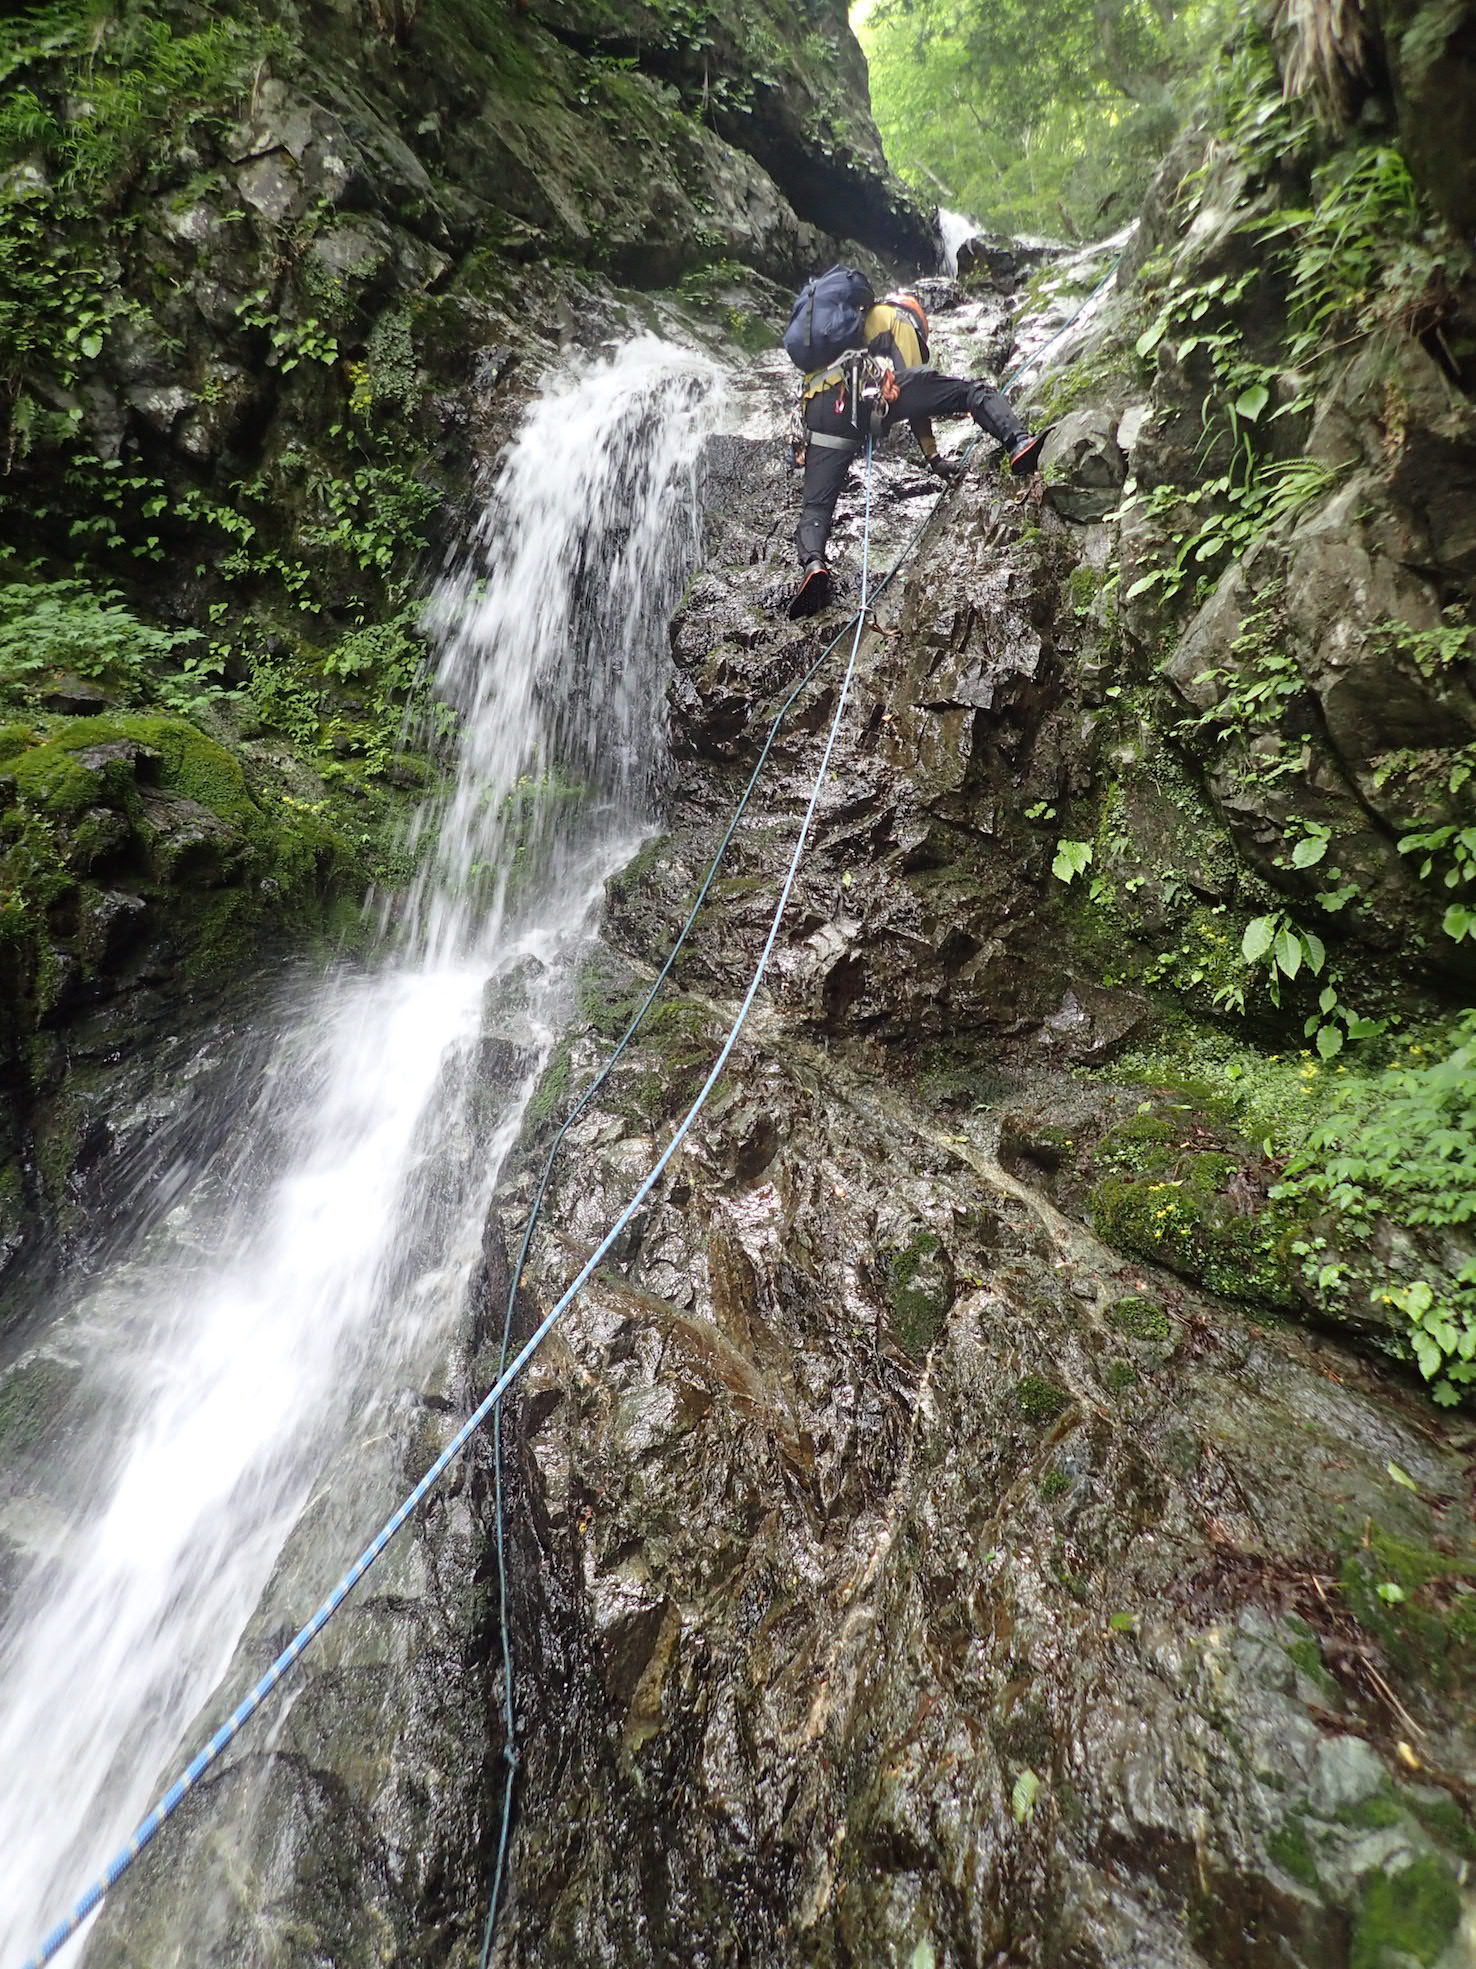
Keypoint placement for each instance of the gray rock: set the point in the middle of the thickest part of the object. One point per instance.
(1085, 465)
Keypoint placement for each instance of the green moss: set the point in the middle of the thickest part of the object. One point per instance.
(1139, 1319)
(1307, 1655)
(630, 879)
(1375, 1814)
(551, 1093)
(31, 1397)
(1053, 1484)
(55, 774)
(1164, 1197)
(1413, 1913)
(1444, 1820)
(1430, 1633)
(1291, 1849)
(1084, 383)
(920, 1291)
(1038, 1401)
(14, 739)
(1120, 1376)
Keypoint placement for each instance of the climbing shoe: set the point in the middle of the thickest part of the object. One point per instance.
(813, 592)
(1025, 454)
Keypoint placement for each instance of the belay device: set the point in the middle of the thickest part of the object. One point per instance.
(827, 318)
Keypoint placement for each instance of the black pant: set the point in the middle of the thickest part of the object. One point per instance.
(921, 394)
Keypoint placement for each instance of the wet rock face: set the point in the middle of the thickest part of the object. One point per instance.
(936, 1582)
(140, 870)
(922, 1580)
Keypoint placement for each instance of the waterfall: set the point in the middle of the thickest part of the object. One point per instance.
(954, 228)
(319, 1262)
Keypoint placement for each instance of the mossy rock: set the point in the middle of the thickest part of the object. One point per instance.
(920, 1289)
(194, 864)
(14, 739)
(1427, 1627)
(1408, 1916)
(1038, 1401)
(1291, 1849)
(550, 1098)
(1140, 1319)
(1169, 1192)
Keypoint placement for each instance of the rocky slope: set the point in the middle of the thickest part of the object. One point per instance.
(934, 1582)
(939, 1546)
(989, 1513)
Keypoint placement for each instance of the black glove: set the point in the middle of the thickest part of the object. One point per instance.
(946, 468)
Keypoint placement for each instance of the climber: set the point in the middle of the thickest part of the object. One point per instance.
(855, 396)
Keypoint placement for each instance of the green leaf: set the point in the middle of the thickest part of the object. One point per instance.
(1427, 1354)
(1123, 1623)
(1149, 340)
(1389, 1592)
(92, 345)
(1288, 953)
(1260, 934)
(1309, 851)
(1326, 999)
(1402, 1477)
(1251, 402)
(1458, 921)
(1314, 950)
(1071, 859)
(1329, 1041)
(1144, 582)
(1024, 1795)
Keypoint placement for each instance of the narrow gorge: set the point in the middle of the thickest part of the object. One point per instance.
(1006, 1495)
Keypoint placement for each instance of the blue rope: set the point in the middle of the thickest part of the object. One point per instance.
(171, 1800)
(510, 1752)
(165, 1808)
(600, 1079)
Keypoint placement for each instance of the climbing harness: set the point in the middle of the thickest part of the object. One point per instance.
(509, 1370)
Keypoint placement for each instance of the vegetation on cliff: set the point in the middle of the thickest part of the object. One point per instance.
(1281, 834)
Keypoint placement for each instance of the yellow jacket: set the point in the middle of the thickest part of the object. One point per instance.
(891, 333)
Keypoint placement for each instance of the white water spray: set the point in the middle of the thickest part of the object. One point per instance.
(311, 1269)
(955, 228)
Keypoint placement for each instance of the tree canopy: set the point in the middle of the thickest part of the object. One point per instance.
(1034, 114)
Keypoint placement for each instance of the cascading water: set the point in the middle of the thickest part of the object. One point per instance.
(309, 1271)
(954, 228)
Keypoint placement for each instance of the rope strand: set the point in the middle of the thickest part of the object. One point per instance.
(173, 1797)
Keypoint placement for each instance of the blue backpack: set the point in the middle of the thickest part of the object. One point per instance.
(827, 318)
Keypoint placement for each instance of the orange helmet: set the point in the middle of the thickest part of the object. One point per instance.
(903, 298)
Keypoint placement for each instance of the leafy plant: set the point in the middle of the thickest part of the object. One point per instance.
(292, 342)
(51, 627)
(1072, 859)
(1364, 256)
(1239, 506)
(1402, 1144)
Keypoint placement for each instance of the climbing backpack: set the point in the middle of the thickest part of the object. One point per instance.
(827, 318)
